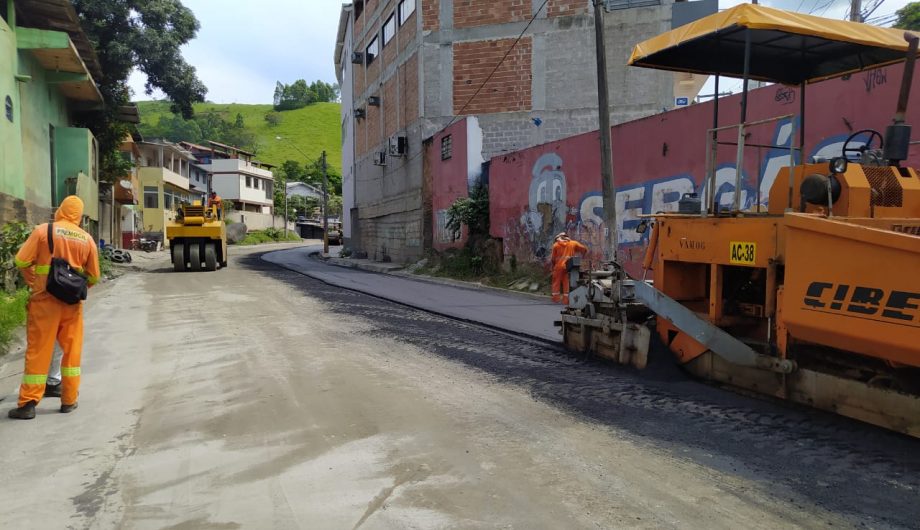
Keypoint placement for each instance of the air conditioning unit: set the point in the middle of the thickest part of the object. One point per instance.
(380, 158)
(360, 114)
(357, 57)
(399, 146)
(373, 101)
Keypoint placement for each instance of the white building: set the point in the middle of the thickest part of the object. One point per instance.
(302, 189)
(236, 177)
(198, 182)
(344, 72)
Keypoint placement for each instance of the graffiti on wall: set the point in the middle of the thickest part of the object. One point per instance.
(549, 210)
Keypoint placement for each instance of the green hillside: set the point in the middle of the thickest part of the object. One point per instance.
(312, 128)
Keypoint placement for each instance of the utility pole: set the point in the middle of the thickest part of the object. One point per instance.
(285, 209)
(325, 207)
(603, 109)
(856, 10)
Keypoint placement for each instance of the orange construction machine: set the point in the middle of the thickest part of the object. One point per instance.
(817, 299)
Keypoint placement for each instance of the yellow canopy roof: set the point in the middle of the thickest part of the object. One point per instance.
(786, 47)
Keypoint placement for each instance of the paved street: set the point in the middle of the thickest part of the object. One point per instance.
(261, 397)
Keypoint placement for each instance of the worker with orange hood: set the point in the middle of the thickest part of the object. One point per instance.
(49, 317)
(563, 250)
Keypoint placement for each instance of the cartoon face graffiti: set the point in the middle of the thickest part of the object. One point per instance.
(546, 213)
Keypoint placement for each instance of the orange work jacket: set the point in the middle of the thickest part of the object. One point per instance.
(70, 243)
(563, 250)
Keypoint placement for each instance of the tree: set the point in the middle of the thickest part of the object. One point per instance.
(335, 206)
(175, 129)
(292, 171)
(143, 34)
(313, 174)
(299, 94)
(473, 212)
(273, 118)
(239, 123)
(908, 17)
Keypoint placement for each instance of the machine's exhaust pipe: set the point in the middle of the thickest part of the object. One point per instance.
(897, 135)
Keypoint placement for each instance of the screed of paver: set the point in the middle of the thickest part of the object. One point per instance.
(226, 400)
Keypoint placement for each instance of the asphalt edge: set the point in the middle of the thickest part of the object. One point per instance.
(403, 273)
(518, 334)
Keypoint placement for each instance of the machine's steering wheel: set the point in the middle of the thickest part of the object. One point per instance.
(865, 147)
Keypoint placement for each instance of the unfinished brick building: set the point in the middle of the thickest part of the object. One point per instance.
(409, 67)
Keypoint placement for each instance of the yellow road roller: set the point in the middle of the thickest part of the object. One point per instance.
(197, 238)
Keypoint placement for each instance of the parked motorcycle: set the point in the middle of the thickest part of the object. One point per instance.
(149, 245)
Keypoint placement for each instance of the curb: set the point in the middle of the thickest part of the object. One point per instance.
(398, 270)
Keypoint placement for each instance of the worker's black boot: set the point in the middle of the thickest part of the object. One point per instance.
(68, 408)
(53, 390)
(25, 412)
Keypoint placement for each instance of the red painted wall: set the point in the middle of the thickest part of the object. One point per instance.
(449, 182)
(537, 192)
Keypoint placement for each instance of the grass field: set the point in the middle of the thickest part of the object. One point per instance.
(312, 129)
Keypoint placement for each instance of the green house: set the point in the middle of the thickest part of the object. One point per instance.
(47, 71)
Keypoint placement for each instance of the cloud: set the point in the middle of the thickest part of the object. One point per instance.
(243, 47)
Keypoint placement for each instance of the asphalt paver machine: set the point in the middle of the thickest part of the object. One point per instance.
(815, 300)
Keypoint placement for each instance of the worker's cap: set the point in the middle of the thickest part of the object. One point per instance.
(561, 235)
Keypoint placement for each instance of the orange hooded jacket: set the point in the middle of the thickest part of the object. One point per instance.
(70, 243)
(563, 250)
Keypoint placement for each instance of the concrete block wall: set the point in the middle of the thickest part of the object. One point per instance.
(442, 59)
(507, 132)
(560, 8)
(556, 58)
(390, 197)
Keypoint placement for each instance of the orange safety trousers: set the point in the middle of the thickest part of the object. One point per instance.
(561, 284)
(49, 319)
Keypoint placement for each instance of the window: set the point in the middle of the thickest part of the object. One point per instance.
(389, 29)
(447, 148)
(151, 197)
(371, 52)
(9, 108)
(248, 182)
(406, 8)
(167, 200)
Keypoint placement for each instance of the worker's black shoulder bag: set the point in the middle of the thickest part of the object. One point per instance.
(64, 283)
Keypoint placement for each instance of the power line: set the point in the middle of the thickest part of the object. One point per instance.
(497, 66)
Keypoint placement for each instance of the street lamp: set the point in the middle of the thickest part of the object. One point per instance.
(325, 194)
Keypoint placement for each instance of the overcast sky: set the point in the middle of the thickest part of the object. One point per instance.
(244, 46)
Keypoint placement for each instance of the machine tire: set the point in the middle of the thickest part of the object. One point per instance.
(178, 256)
(194, 256)
(210, 257)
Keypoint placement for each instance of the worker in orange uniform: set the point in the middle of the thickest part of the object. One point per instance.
(563, 249)
(215, 200)
(48, 317)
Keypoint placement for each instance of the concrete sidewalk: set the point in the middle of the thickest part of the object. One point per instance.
(518, 314)
(399, 270)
